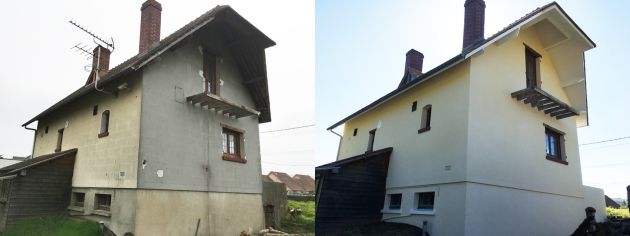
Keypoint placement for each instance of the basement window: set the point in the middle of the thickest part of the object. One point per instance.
(59, 140)
(232, 142)
(102, 202)
(395, 201)
(78, 199)
(104, 124)
(425, 122)
(554, 145)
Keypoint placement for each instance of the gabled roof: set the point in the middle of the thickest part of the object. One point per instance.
(306, 182)
(465, 54)
(385, 152)
(281, 177)
(36, 161)
(135, 63)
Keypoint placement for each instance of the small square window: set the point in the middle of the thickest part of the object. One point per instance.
(102, 202)
(426, 200)
(78, 199)
(395, 201)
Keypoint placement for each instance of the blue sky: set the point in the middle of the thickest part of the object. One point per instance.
(360, 54)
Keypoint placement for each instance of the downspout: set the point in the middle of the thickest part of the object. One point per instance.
(34, 136)
(339, 146)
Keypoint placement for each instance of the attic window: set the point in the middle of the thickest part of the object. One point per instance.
(532, 68)
(414, 105)
(59, 140)
(104, 124)
(355, 132)
(46, 131)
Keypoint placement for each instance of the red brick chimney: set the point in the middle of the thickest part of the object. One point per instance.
(413, 66)
(150, 24)
(100, 59)
(474, 16)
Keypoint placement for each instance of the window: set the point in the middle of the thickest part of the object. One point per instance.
(59, 140)
(554, 145)
(46, 131)
(210, 73)
(232, 145)
(102, 202)
(414, 105)
(79, 199)
(95, 110)
(104, 124)
(395, 201)
(355, 132)
(425, 123)
(425, 201)
(371, 140)
(532, 65)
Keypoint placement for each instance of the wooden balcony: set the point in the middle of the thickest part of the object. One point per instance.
(218, 104)
(540, 99)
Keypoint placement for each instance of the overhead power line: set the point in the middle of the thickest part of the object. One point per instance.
(605, 141)
(285, 129)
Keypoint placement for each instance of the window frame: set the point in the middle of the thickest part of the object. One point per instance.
(388, 206)
(98, 205)
(425, 120)
(74, 199)
(532, 62)
(560, 156)
(238, 134)
(210, 73)
(59, 139)
(104, 132)
(371, 138)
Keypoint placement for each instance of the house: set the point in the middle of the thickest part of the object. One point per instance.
(167, 142)
(306, 182)
(483, 144)
(293, 188)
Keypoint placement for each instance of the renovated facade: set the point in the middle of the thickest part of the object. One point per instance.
(484, 144)
(167, 142)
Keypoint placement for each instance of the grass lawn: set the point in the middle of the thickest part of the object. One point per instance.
(53, 226)
(303, 224)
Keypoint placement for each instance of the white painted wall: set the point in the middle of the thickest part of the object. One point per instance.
(594, 197)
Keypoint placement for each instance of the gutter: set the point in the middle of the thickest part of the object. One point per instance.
(34, 136)
(340, 139)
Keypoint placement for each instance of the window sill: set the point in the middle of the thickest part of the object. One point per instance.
(75, 208)
(556, 160)
(102, 213)
(422, 212)
(425, 129)
(103, 134)
(391, 211)
(234, 159)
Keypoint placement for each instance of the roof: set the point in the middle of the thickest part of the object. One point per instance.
(138, 61)
(306, 182)
(466, 53)
(281, 177)
(385, 152)
(36, 161)
(611, 203)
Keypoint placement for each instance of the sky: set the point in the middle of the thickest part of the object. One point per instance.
(360, 56)
(38, 68)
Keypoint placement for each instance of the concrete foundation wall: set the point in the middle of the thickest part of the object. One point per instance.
(594, 197)
(164, 212)
(122, 215)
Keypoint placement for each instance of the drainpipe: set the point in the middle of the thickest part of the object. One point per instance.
(34, 136)
(339, 146)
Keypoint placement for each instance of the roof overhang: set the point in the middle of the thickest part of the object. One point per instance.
(12, 169)
(562, 39)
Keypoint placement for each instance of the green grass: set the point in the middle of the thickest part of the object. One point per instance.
(53, 226)
(621, 213)
(303, 224)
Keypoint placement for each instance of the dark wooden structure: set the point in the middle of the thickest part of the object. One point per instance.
(351, 191)
(36, 187)
(221, 105)
(542, 100)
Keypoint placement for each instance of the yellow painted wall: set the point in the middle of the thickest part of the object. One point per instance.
(418, 158)
(98, 160)
(164, 212)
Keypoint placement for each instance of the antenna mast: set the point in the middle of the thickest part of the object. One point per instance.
(95, 38)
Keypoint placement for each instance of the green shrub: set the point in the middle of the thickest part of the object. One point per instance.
(617, 213)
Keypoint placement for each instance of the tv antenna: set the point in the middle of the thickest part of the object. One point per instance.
(96, 39)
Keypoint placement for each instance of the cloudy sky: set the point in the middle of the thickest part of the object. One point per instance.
(38, 68)
(360, 57)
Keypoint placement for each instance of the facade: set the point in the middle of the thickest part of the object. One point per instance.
(167, 142)
(486, 143)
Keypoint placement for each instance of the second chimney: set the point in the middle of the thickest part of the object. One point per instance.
(413, 66)
(100, 60)
(150, 24)
(474, 17)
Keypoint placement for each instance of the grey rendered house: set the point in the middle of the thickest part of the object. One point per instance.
(167, 142)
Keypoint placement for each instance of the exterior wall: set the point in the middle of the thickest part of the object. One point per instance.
(429, 152)
(449, 207)
(121, 217)
(594, 197)
(274, 194)
(185, 141)
(506, 137)
(165, 212)
(99, 160)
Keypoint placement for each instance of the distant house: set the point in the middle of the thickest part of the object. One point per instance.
(611, 203)
(306, 182)
(293, 188)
